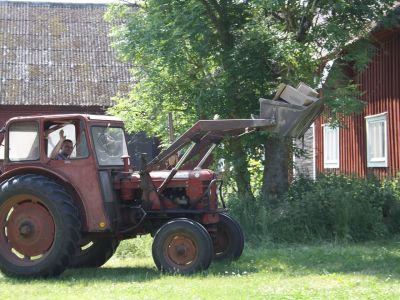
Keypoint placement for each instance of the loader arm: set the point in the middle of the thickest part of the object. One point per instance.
(275, 116)
(206, 132)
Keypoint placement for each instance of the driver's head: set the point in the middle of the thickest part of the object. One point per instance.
(67, 147)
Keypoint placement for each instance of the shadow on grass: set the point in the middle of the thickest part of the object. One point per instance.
(381, 260)
(115, 274)
(104, 274)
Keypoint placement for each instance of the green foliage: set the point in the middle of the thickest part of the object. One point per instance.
(332, 208)
(341, 93)
(202, 58)
(252, 216)
(390, 193)
(186, 65)
(137, 247)
(336, 207)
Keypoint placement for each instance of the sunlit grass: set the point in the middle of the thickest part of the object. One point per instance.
(328, 271)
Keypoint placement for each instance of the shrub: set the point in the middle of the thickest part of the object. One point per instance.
(333, 208)
(390, 193)
(136, 247)
(252, 216)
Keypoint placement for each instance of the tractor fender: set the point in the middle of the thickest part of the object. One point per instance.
(63, 181)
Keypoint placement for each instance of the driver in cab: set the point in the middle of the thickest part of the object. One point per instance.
(63, 149)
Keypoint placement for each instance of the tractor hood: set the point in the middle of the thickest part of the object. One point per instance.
(202, 174)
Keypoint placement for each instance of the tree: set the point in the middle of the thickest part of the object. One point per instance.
(203, 59)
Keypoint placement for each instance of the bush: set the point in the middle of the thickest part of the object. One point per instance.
(252, 216)
(136, 247)
(390, 192)
(333, 208)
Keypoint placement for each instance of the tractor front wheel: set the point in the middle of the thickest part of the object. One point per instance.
(39, 227)
(94, 254)
(182, 246)
(228, 240)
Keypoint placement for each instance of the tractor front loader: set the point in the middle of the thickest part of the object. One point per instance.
(56, 214)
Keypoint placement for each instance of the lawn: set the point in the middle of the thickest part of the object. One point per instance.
(326, 271)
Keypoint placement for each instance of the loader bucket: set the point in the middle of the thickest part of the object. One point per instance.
(291, 120)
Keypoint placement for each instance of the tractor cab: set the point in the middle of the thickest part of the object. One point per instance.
(97, 140)
(98, 144)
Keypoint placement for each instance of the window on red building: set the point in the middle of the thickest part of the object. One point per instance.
(376, 126)
(331, 147)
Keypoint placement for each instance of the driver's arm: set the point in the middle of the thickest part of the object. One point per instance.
(57, 148)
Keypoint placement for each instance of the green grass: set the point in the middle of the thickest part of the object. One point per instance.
(326, 271)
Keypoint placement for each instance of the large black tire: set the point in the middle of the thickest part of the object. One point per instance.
(182, 246)
(39, 227)
(95, 253)
(228, 241)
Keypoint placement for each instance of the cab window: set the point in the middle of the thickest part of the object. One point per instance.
(73, 130)
(110, 146)
(23, 141)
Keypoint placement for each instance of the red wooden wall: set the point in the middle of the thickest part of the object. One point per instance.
(380, 83)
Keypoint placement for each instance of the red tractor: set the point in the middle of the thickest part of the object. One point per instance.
(74, 212)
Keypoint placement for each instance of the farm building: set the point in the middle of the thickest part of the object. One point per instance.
(57, 58)
(369, 143)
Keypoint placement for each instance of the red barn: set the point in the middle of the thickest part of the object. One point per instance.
(370, 141)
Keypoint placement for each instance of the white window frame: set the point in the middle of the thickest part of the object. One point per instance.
(2, 148)
(376, 162)
(2, 152)
(332, 163)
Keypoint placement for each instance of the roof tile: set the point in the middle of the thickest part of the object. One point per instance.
(58, 54)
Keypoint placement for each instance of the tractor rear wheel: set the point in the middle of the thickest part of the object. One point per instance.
(39, 227)
(228, 240)
(182, 246)
(94, 254)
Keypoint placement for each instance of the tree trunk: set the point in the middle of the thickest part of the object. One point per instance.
(276, 168)
(241, 172)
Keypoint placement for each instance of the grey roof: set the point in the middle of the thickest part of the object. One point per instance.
(58, 54)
